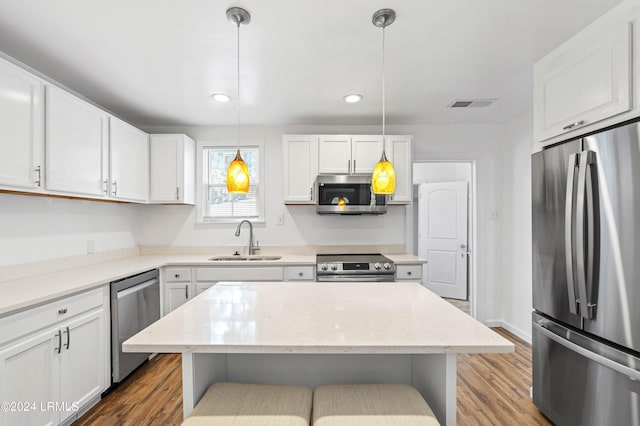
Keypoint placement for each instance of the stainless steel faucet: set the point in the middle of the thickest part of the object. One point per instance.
(253, 248)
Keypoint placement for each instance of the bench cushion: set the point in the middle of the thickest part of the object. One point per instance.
(370, 405)
(239, 404)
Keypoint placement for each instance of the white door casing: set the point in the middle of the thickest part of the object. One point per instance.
(442, 234)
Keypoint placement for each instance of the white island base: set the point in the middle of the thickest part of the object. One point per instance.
(433, 375)
(309, 333)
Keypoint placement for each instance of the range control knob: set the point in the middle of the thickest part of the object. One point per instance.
(334, 267)
(387, 266)
(377, 266)
(324, 266)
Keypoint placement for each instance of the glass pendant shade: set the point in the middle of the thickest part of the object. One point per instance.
(383, 180)
(238, 176)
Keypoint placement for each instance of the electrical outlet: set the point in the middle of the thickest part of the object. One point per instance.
(91, 246)
(281, 219)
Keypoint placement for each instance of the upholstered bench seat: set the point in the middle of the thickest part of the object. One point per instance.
(370, 405)
(239, 404)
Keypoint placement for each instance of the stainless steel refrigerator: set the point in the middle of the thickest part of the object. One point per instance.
(586, 279)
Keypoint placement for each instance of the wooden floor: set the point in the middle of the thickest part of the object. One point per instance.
(493, 389)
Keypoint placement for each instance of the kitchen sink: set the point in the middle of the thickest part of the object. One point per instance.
(243, 258)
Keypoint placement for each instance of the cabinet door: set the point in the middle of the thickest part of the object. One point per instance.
(176, 295)
(365, 153)
(21, 120)
(580, 84)
(334, 154)
(76, 145)
(29, 371)
(300, 168)
(82, 361)
(187, 171)
(128, 161)
(398, 150)
(164, 168)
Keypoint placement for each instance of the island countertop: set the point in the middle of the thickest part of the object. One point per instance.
(311, 317)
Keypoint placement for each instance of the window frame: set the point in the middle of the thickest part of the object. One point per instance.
(202, 182)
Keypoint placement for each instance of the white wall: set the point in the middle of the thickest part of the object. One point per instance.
(481, 145)
(441, 172)
(41, 228)
(515, 262)
(176, 225)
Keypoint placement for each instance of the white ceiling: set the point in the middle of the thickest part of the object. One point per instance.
(155, 62)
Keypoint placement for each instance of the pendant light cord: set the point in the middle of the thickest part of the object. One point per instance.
(383, 90)
(238, 87)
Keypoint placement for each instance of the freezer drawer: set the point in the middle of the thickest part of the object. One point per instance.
(579, 381)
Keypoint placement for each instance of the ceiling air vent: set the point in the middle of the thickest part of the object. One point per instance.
(471, 103)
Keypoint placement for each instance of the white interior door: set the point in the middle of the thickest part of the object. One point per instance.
(442, 235)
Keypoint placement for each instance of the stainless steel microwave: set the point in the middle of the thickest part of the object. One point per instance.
(348, 194)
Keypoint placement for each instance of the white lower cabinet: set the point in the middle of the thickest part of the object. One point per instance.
(29, 370)
(181, 284)
(176, 295)
(409, 272)
(50, 373)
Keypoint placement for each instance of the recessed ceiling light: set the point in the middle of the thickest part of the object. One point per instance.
(352, 98)
(221, 97)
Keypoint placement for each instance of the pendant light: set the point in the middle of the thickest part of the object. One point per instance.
(383, 180)
(238, 173)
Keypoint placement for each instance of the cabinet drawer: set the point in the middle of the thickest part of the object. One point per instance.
(250, 273)
(297, 273)
(409, 272)
(30, 320)
(177, 275)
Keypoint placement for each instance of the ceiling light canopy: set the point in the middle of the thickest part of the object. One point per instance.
(220, 97)
(383, 180)
(353, 98)
(238, 174)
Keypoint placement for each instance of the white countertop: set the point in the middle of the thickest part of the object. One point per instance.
(311, 317)
(33, 290)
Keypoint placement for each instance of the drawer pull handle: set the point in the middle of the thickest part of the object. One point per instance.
(409, 273)
(177, 275)
(62, 311)
(300, 274)
(572, 125)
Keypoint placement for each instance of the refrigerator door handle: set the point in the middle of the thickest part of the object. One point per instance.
(568, 232)
(592, 232)
(622, 369)
(585, 193)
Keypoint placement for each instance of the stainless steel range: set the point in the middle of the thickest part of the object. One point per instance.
(354, 267)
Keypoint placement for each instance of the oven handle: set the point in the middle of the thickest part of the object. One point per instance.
(355, 278)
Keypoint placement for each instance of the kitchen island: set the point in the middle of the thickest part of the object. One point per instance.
(320, 333)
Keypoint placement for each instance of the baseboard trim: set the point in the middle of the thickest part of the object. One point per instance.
(510, 328)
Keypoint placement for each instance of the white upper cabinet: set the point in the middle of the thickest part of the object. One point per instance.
(345, 154)
(365, 153)
(128, 162)
(21, 129)
(398, 150)
(300, 153)
(76, 145)
(172, 169)
(587, 83)
(334, 154)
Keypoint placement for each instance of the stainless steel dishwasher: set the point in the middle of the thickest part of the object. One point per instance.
(135, 304)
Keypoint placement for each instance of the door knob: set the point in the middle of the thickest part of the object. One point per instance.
(463, 246)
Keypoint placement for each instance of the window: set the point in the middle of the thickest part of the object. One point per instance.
(219, 205)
